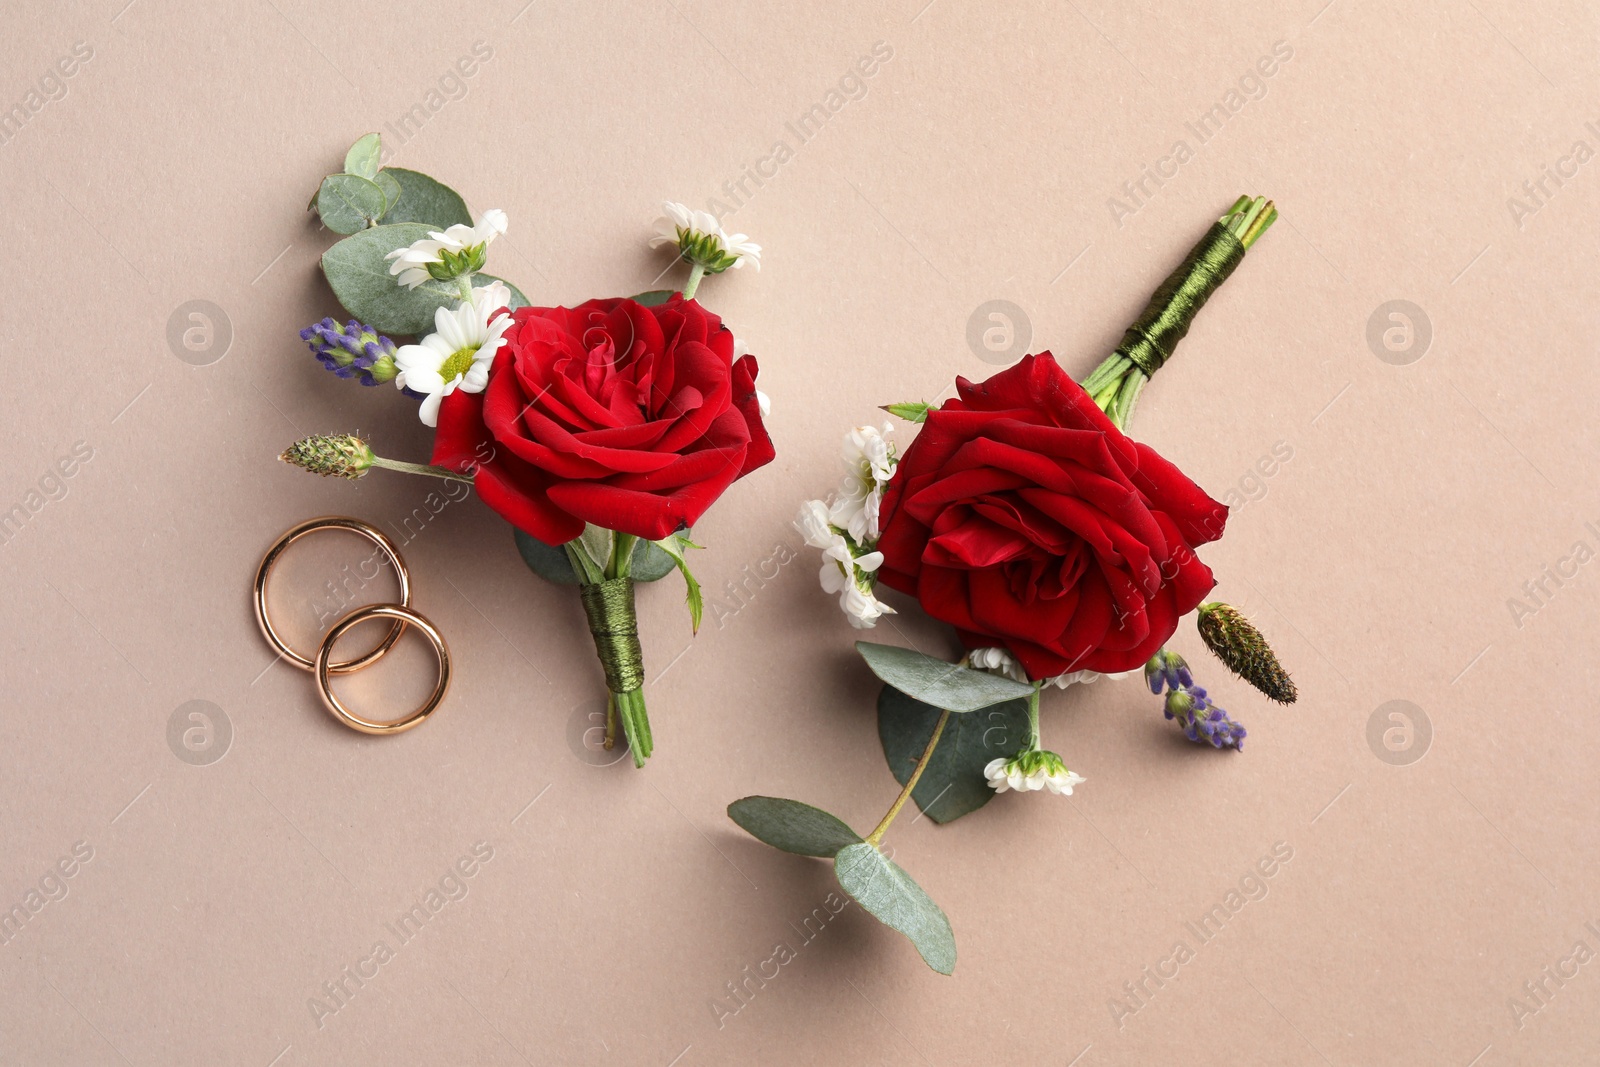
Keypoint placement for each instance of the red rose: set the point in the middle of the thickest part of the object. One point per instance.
(1024, 518)
(633, 418)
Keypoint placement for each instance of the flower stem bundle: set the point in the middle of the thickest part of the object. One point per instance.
(1147, 344)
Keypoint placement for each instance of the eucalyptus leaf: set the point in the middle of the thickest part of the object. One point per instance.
(550, 562)
(654, 296)
(359, 274)
(881, 887)
(596, 542)
(426, 201)
(953, 783)
(347, 203)
(391, 190)
(933, 681)
(650, 563)
(792, 826)
(362, 159)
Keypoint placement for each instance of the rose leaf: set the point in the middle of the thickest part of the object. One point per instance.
(953, 783)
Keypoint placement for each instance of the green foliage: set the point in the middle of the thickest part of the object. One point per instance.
(348, 204)
(886, 891)
(947, 686)
(953, 783)
(792, 826)
(424, 200)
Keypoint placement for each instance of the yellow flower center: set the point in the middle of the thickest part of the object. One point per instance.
(458, 364)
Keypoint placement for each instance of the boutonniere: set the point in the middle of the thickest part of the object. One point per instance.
(601, 432)
(1060, 550)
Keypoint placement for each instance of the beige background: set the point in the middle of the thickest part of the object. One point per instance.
(978, 165)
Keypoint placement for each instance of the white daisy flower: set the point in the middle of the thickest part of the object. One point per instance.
(999, 661)
(458, 354)
(870, 458)
(1030, 772)
(448, 254)
(700, 239)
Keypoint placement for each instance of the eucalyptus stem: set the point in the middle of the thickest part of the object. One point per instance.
(696, 272)
(911, 783)
(421, 468)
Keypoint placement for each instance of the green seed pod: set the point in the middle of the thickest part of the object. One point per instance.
(1237, 643)
(332, 456)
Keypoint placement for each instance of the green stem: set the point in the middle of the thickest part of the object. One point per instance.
(911, 783)
(421, 468)
(696, 272)
(1033, 716)
(464, 285)
(622, 556)
(1115, 384)
(582, 565)
(614, 625)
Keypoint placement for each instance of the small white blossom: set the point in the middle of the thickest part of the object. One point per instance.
(999, 661)
(1031, 771)
(700, 238)
(840, 566)
(812, 522)
(870, 459)
(412, 262)
(458, 354)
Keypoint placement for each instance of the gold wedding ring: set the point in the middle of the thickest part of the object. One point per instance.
(403, 616)
(310, 526)
(400, 616)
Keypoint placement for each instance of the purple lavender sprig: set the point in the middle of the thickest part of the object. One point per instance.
(1201, 721)
(352, 351)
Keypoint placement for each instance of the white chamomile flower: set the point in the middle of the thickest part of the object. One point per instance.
(448, 254)
(1031, 771)
(870, 458)
(701, 240)
(999, 661)
(458, 354)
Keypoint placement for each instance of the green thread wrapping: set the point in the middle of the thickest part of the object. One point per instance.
(615, 627)
(1153, 337)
